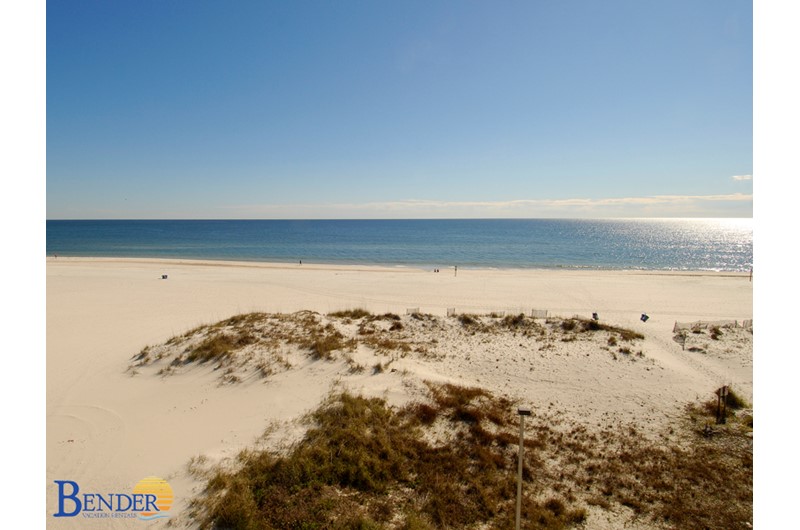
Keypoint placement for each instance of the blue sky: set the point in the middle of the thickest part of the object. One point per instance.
(168, 109)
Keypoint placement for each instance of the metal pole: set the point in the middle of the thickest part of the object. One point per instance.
(519, 468)
(522, 411)
(724, 404)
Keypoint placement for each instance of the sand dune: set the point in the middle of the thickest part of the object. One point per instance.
(108, 427)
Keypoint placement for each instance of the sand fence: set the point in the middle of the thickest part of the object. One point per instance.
(533, 313)
(708, 324)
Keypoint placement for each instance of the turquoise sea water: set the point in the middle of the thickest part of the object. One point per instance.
(652, 244)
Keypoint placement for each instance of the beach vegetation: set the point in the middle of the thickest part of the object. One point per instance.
(591, 325)
(219, 346)
(264, 368)
(230, 377)
(735, 401)
(197, 466)
(467, 320)
(367, 328)
(354, 366)
(385, 471)
(199, 330)
(449, 459)
(372, 325)
(143, 356)
(520, 322)
(569, 324)
(357, 368)
(322, 346)
(354, 314)
(242, 320)
(581, 325)
(476, 323)
(624, 333)
(414, 521)
(517, 323)
(255, 341)
(426, 413)
(391, 470)
(386, 345)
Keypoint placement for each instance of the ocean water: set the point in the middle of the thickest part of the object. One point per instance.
(649, 244)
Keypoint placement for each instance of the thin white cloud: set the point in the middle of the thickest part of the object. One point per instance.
(730, 205)
(742, 177)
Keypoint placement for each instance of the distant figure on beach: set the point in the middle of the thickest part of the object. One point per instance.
(456, 271)
(751, 274)
(301, 262)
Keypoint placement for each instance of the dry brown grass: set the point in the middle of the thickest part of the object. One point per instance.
(365, 465)
(220, 346)
(253, 341)
(354, 314)
(258, 341)
(577, 326)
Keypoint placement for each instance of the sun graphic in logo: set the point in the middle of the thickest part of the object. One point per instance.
(162, 491)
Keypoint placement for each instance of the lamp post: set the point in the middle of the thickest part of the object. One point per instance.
(522, 411)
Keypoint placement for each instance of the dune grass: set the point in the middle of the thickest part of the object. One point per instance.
(582, 325)
(264, 338)
(219, 346)
(363, 464)
(354, 314)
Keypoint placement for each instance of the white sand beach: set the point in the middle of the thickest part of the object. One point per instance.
(108, 428)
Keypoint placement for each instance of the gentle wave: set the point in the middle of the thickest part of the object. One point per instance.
(631, 244)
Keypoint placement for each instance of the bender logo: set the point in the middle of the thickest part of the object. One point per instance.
(150, 499)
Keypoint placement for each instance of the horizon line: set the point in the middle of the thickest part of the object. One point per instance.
(387, 218)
